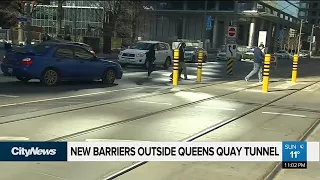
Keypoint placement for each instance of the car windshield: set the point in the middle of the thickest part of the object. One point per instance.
(304, 51)
(190, 48)
(141, 46)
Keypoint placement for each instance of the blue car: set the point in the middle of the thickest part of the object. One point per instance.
(55, 62)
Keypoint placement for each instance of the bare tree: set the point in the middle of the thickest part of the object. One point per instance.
(119, 18)
(15, 9)
(60, 16)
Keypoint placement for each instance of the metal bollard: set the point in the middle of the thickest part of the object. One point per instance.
(199, 68)
(295, 68)
(266, 73)
(230, 65)
(175, 68)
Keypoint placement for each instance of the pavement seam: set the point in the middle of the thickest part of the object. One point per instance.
(210, 129)
(43, 113)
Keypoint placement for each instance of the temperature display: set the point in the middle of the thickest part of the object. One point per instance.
(294, 155)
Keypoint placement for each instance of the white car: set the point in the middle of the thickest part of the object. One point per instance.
(283, 54)
(222, 56)
(191, 54)
(136, 55)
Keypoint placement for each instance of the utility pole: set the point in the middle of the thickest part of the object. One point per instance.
(28, 25)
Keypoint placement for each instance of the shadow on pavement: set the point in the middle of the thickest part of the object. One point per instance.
(17, 87)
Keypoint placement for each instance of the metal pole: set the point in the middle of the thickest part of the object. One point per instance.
(205, 21)
(75, 24)
(311, 41)
(299, 36)
(28, 25)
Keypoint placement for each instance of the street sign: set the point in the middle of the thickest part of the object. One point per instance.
(231, 40)
(311, 39)
(232, 32)
(231, 50)
(22, 19)
(209, 23)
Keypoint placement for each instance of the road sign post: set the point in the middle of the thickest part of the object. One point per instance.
(231, 48)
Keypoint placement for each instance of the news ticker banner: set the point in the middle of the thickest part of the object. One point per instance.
(292, 154)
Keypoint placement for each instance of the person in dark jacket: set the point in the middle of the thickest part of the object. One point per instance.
(257, 63)
(150, 57)
(182, 64)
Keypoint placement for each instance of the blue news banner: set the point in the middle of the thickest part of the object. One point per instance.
(33, 151)
(294, 155)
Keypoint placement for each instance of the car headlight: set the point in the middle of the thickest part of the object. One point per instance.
(140, 54)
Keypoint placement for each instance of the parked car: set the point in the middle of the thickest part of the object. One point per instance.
(56, 62)
(222, 56)
(304, 54)
(136, 55)
(283, 54)
(191, 54)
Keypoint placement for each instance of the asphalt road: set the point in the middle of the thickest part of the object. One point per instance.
(86, 111)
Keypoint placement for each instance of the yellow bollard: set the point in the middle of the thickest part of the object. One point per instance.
(295, 68)
(199, 68)
(230, 65)
(266, 73)
(175, 68)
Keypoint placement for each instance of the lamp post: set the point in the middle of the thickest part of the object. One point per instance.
(205, 21)
(310, 43)
(301, 22)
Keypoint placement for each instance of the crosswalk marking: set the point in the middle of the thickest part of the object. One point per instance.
(285, 85)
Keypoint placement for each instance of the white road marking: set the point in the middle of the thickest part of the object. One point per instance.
(255, 84)
(151, 102)
(10, 96)
(111, 140)
(8, 138)
(285, 114)
(239, 89)
(218, 108)
(286, 85)
(66, 97)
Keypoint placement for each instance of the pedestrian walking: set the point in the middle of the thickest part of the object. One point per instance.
(257, 63)
(182, 64)
(150, 58)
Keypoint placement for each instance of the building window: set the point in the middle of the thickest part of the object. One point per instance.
(314, 5)
(318, 21)
(245, 6)
(196, 5)
(313, 13)
(313, 21)
(301, 13)
(226, 5)
(303, 5)
(211, 5)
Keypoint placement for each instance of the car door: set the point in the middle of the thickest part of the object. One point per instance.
(89, 66)
(66, 63)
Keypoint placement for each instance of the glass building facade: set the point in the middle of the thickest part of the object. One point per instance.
(78, 17)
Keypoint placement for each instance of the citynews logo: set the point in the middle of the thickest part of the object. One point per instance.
(33, 151)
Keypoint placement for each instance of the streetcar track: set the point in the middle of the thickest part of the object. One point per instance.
(97, 104)
(277, 166)
(223, 123)
(98, 128)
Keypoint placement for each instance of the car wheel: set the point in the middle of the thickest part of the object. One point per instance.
(23, 79)
(109, 76)
(50, 77)
(167, 63)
